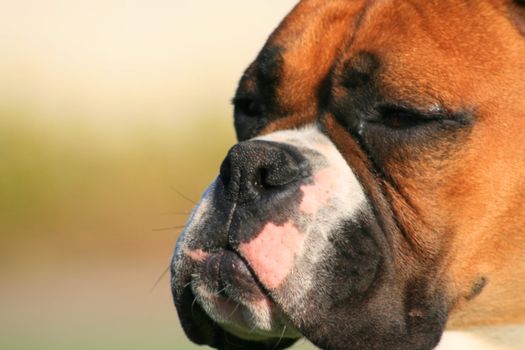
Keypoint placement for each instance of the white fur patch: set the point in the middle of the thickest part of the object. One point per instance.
(283, 254)
(350, 197)
(338, 193)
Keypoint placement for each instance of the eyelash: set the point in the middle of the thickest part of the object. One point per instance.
(400, 118)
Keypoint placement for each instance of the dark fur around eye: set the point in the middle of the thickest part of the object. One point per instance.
(249, 117)
(401, 118)
(247, 106)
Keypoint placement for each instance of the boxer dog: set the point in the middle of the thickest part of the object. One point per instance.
(377, 192)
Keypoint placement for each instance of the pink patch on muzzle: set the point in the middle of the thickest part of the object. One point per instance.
(272, 252)
(316, 195)
(197, 255)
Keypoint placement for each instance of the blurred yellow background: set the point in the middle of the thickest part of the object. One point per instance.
(107, 108)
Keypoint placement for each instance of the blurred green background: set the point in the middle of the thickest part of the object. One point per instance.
(107, 108)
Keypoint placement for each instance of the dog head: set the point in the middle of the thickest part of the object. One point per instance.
(374, 191)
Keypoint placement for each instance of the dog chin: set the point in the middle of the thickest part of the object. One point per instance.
(241, 324)
(227, 291)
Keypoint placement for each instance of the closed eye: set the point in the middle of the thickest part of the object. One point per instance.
(399, 118)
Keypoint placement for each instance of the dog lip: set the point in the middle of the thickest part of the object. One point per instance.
(225, 287)
(238, 280)
(231, 277)
(202, 330)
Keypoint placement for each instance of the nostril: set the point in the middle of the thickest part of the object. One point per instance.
(261, 180)
(280, 174)
(254, 167)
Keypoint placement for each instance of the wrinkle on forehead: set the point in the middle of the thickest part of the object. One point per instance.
(310, 37)
(431, 53)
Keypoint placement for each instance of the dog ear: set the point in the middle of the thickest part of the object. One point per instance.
(516, 10)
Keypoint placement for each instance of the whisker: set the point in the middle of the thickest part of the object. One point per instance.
(168, 228)
(160, 278)
(220, 291)
(193, 305)
(183, 196)
(176, 213)
(234, 309)
(280, 338)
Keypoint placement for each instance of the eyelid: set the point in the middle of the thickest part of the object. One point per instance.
(411, 112)
(401, 117)
(433, 113)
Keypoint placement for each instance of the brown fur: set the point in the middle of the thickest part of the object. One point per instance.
(465, 211)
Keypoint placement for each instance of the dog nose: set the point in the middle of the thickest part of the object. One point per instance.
(252, 168)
